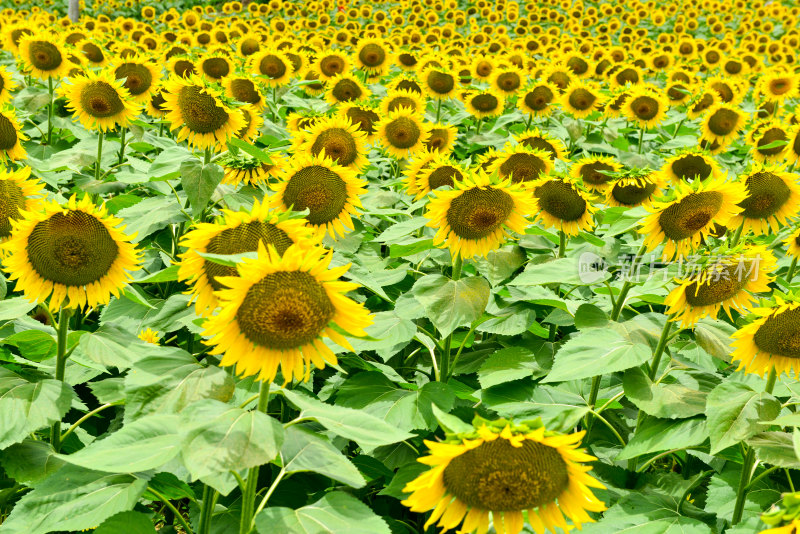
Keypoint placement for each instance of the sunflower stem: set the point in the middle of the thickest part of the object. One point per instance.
(478, 127)
(249, 496)
(744, 480)
(61, 363)
(50, 112)
(207, 157)
(641, 137)
(662, 344)
(207, 509)
(174, 510)
(528, 124)
(626, 287)
(274, 113)
(122, 133)
(438, 109)
(444, 364)
(99, 156)
(792, 268)
(674, 135)
(562, 243)
(737, 235)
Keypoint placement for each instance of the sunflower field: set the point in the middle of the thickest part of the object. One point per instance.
(399, 267)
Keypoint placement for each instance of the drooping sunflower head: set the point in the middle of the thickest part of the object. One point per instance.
(596, 173)
(562, 205)
(481, 103)
(645, 106)
(345, 88)
(99, 101)
(521, 164)
(329, 191)
(793, 244)
(770, 142)
(397, 98)
(476, 216)
(275, 313)
(273, 67)
(76, 254)
(244, 89)
(722, 123)
(235, 233)
(338, 139)
(139, 76)
(771, 340)
(442, 138)
(18, 193)
(689, 165)
(155, 103)
(43, 55)
(439, 82)
(246, 170)
(538, 99)
(402, 132)
(197, 110)
(502, 470)
(773, 197)
(541, 140)
(681, 223)
(637, 187)
(374, 56)
(580, 99)
(440, 172)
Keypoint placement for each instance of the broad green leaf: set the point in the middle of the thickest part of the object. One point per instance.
(228, 260)
(250, 149)
(29, 461)
(656, 435)
(512, 321)
(128, 522)
(222, 438)
(397, 230)
(500, 264)
(150, 215)
(508, 364)
(722, 488)
(558, 271)
(199, 181)
(714, 337)
(403, 476)
(590, 316)
(15, 307)
(166, 165)
(451, 303)
(33, 345)
(170, 274)
(775, 448)
(28, 406)
(649, 513)
(668, 401)
(169, 486)
(365, 429)
(734, 411)
(74, 498)
(303, 450)
(144, 444)
(335, 513)
(389, 333)
(596, 351)
(114, 347)
(522, 399)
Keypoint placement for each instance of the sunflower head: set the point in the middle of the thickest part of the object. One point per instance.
(11, 136)
(773, 197)
(537, 99)
(331, 63)
(397, 98)
(481, 103)
(771, 340)
(244, 89)
(562, 205)
(581, 99)
(645, 106)
(722, 123)
(637, 187)
(43, 55)
(99, 101)
(374, 56)
(691, 165)
(503, 470)
(402, 132)
(18, 193)
(521, 164)
(139, 77)
(439, 82)
(345, 88)
(338, 139)
(595, 172)
(272, 66)
(770, 142)
(442, 139)
(541, 140)
(439, 172)
(363, 117)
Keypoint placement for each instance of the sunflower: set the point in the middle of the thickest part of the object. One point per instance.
(521, 164)
(250, 171)
(645, 106)
(725, 281)
(722, 123)
(253, 121)
(580, 99)
(43, 55)
(363, 116)
(680, 224)
(773, 197)
(701, 103)
(508, 80)
(197, 109)
(778, 85)
(181, 66)
(439, 82)
(691, 164)
(234, 232)
(405, 82)
(7, 85)
(139, 76)
(481, 103)
(793, 244)
(770, 341)
(727, 88)
(595, 172)
(418, 163)
(442, 139)
(440, 172)
(477, 215)
(17, 191)
(329, 191)
(331, 63)
(148, 335)
(678, 92)
(537, 99)
(99, 101)
(635, 189)
(508, 471)
(541, 140)
(770, 142)
(345, 88)
(277, 311)
(214, 66)
(561, 205)
(338, 139)
(374, 56)
(272, 66)
(612, 107)
(482, 66)
(75, 254)
(248, 44)
(244, 90)
(155, 104)
(11, 136)
(397, 98)
(402, 133)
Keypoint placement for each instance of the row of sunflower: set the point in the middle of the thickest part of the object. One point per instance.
(420, 98)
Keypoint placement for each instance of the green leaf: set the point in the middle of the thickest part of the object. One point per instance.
(199, 181)
(303, 450)
(389, 333)
(74, 498)
(254, 151)
(150, 215)
(228, 260)
(714, 337)
(656, 435)
(169, 486)
(14, 308)
(522, 399)
(128, 522)
(734, 411)
(500, 264)
(775, 448)
(114, 347)
(28, 406)
(590, 316)
(222, 438)
(365, 429)
(451, 303)
(648, 513)
(399, 230)
(29, 461)
(34, 345)
(508, 364)
(668, 401)
(335, 513)
(722, 489)
(143, 444)
(561, 270)
(170, 274)
(165, 166)
(594, 350)
(403, 476)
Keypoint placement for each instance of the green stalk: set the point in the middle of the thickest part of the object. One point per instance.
(626, 287)
(478, 127)
(207, 157)
(175, 511)
(678, 128)
(528, 124)
(249, 496)
(792, 268)
(122, 133)
(99, 156)
(444, 364)
(207, 510)
(438, 109)
(50, 112)
(737, 235)
(562, 243)
(641, 136)
(61, 363)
